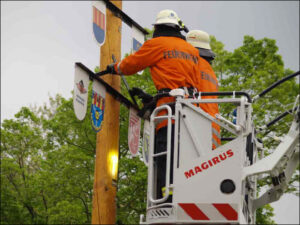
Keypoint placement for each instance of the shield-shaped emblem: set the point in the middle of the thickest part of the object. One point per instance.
(137, 39)
(80, 97)
(99, 21)
(134, 131)
(135, 44)
(97, 107)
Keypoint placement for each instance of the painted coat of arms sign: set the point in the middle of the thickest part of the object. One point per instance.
(99, 21)
(97, 107)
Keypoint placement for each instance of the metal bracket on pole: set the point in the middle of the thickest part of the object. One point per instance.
(113, 92)
(123, 16)
(125, 82)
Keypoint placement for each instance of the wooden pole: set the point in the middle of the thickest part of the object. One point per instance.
(107, 146)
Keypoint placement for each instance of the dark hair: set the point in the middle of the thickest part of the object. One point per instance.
(167, 31)
(207, 54)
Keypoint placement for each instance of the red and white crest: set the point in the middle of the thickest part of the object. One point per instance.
(134, 131)
(99, 21)
(80, 95)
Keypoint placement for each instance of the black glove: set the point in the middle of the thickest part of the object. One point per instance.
(146, 98)
(111, 69)
(146, 111)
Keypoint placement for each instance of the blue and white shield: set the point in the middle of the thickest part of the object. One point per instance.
(98, 105)
(99, 21)
(136, 44)
(137, 39)
(97, 111)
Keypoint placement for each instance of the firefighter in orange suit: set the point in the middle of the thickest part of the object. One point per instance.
(173, 63)
(208, 81)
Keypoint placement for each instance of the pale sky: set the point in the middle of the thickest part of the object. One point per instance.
(41, 41)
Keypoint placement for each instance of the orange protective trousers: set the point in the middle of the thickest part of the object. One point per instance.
(208, 83)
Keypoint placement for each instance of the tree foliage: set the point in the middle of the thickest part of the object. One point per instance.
(252, 68)
(47, 155)
(47, 163)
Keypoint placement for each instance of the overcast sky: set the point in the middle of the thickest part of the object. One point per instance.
(41, 41)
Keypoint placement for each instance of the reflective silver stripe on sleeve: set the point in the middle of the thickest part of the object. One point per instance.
(186, 90)
(217, 133)
(119, 70)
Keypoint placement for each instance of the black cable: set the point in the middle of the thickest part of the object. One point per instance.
(280, 117)
(276, 84)
(227, 138)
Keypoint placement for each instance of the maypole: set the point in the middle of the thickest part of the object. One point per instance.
(106, 99)
(107, 144)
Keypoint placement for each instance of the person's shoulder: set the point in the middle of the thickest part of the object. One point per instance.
(167, 39)
(154, 41)
(161, 42)
(203, 61)
(190, 47)
(205, 65)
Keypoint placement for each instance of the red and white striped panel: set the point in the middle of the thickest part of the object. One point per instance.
(206, 212)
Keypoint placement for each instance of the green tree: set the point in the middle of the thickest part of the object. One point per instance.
(47, 163)
(252, 68)
(21, 141)
(69, 155)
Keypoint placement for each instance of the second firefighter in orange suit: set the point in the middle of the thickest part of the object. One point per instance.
(208, 81)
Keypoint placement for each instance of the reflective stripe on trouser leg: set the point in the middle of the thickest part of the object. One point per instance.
(215, 143)
(216, 132)
(216, 138)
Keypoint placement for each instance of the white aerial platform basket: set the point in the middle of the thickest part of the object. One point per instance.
(209, 186)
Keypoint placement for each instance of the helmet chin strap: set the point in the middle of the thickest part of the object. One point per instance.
(182, 26)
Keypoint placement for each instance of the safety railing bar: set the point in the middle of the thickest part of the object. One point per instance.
(159, 154)
(151, 163)
(168, 167)
(167, 181)
(158, 119)
(237, 127)
(212, 119)
(227, 93)
(160, 206)
(159, 108)
(226, 100)
(194, 139)
(176, 144)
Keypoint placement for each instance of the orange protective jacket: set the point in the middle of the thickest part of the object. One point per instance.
(173, 63)
(208, 83)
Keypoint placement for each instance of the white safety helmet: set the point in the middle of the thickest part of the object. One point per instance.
(167, 17)
(198, 39)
